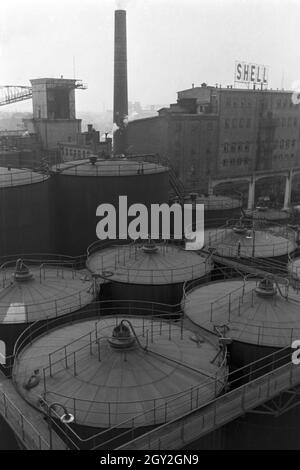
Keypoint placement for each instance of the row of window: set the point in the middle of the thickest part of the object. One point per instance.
(76, 152)
(236, 161)
(284, 143)
(246, 123)
(282, 156)
(236, 147)
(286, 122)
(234, 123)
(285, 102)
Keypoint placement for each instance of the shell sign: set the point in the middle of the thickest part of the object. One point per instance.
(247, 72)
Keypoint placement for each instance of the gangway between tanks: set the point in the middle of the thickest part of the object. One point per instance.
(209, 417)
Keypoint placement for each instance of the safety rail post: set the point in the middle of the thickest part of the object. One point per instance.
(74, 363)
(50, 366)
(66, 357)
(91, 344)
(99, 355)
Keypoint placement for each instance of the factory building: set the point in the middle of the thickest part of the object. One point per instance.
(85, 144)
(54, 117)
(215, 131)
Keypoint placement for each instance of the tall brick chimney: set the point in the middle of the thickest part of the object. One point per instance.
(120, 85)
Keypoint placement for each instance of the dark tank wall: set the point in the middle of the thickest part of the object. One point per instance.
(169, 294)
(77, 199)
(26, 220)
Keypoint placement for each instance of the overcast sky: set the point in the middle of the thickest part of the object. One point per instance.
(171, 44)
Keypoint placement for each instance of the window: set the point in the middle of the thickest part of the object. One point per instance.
(241, 123)
(287, 144)
(289, 122)
(278, 104)
(226, 148)
(240, 147)
(295, 122)
(281, 145)
(226, 123)
(67, 151)
(292, 155)
(233, 147)
(247, 146)
(293, 143)
(228, 101)
(248, 123)
(234, 123)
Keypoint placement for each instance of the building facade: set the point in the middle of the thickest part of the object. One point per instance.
(213, 131)
(85, 144)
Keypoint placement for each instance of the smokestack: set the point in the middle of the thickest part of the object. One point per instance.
(120, 84)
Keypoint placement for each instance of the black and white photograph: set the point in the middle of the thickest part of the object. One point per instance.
(149, 229)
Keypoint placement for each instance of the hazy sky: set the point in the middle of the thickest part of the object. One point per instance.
(171, 44)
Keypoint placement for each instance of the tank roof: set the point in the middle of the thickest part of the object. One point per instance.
(257, 243)
(110, 167)
(244, 312)
(18, 177)
(126, 381)
(132, 263)
(46, 292)
(270, 214)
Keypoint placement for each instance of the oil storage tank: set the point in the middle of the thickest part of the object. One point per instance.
(81, 186)
(149, 271)
(249, 239)
(217, 208)
(25, 216)
(259, 316)
(35, 292)
(121, 375)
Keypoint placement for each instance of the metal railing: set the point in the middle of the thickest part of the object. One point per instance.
(269, 380)
(27, 433)
(109, 167)
(19, 177)
(47, 308)
(108, 263)
(226, 310)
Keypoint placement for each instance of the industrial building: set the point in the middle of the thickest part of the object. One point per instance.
(217, 131)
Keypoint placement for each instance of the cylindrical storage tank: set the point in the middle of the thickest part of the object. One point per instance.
(25, 215)
(217, 208)
(147, 271)
(40, 293)
(244, 241)
(121, 374)
(269, 215)
(259, 316)
(81, 186)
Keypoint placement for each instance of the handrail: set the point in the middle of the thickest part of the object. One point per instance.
(244, 373)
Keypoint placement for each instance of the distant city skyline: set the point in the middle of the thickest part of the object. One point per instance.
(171, 44)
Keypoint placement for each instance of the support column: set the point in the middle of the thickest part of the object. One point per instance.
(210, 187)
(288, 191)
(251, 193)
